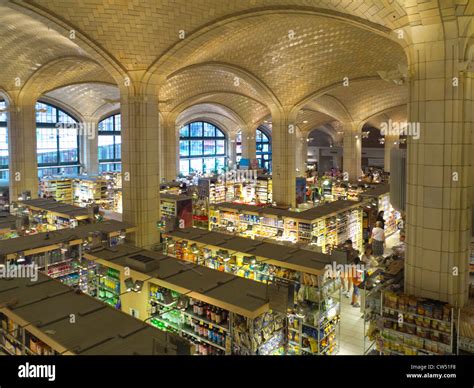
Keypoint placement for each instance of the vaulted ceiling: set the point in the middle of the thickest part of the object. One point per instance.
(239, 57)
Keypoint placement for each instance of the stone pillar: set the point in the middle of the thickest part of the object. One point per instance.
(169, 148)
(22, 147)
(352, 151)
(438, 215)
(231, 149)
(284, 158)
(391, 142)
(89, 141)
(249, 142)
(140, 162)
(301, 154)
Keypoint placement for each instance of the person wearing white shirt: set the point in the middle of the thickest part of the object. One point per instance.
(378, 239)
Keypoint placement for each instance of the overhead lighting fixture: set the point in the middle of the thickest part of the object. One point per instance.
(129, 284)
(138, 286)
(305, 121)
(20, 258)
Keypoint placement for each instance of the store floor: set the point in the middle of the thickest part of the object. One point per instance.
(352, 321)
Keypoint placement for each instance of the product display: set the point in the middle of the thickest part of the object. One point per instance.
(176, 211)
(40, 322)
(414, 326)
(45, 214)
(91, 190)
(326, 226)
(315, 311)
(58, 188)
(15, 340)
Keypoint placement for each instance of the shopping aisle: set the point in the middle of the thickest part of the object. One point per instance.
(352, 321)
(352, 329)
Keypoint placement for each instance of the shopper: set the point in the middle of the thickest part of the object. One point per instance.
(346, 278)
(367, 258)
(357, 277)
(378, 239)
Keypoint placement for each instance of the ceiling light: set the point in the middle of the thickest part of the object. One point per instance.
(129, 284)
(305, 122)
(138, 286)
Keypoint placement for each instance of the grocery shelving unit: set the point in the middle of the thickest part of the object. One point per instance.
(205, 307)
(50, 213)
(414, 326)
(58, 188)
(318, 297)
(39, 323)
(326, 226)
(91, 190)
(176, 211)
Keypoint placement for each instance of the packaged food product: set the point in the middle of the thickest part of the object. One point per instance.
(447, 312)
(421, 307)
(412, 305)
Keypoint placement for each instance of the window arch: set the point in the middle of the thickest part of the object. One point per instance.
(202, 148)
(57, 135)
(263, 149)
(110, 143)
(3, 141)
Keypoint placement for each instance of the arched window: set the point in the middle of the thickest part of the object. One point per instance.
(3, 141)
(264, 150)
(263, 147)
(202, 148)
(110, 144)
(57, 135)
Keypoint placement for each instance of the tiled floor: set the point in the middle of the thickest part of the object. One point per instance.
(352, 321)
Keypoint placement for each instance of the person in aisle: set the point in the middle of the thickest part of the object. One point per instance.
(400, 248)
(368, 258)
(378, 239)
(357, 277)
(352, 256)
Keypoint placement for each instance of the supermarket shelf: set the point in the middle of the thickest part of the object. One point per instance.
(417, 315)
(417, 337)
(206, 321)
(414, 325)
(199, 338)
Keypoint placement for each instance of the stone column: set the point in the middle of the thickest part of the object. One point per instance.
(140, 162)
(284, 158)
(301, 154)
(169, 148)
(249, 142)
(438, 184)
(391, 142)
(352, 151)
(89, 139)
(22, 147)
(231, 149)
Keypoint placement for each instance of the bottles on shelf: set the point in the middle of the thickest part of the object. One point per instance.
(204, 325)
